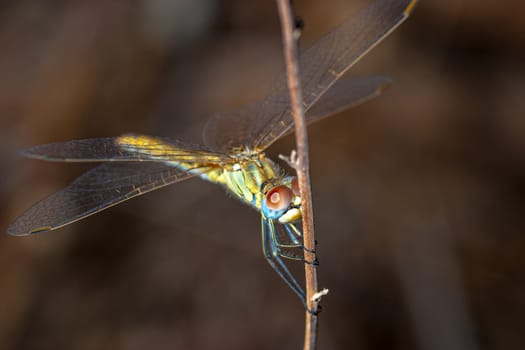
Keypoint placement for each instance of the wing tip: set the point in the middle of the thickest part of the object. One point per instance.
(384, 84)
(29, 153)
(38, 153)
(410, 8)
(14, 231)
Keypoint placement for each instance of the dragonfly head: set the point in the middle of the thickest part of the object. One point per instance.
(282, 201)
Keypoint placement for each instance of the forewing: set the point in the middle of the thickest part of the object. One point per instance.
(123, 149)
(344, 94)
(321, 66)
(101, 187)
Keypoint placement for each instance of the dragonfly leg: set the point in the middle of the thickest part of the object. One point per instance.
(295, 242)
(296, 257)
(294, 234)
(292, 230)
(272, 255)
(279, 245)
(314, 263)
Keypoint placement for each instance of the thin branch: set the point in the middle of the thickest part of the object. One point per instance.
(290, 36)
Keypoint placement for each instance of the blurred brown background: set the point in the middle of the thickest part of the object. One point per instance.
(419, 194)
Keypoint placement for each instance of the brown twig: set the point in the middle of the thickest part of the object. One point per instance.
(302, 167)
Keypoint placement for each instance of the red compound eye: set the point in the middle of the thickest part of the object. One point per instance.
(295, 186)
(279, 198)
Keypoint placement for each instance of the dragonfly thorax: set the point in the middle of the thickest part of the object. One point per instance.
(258, 181)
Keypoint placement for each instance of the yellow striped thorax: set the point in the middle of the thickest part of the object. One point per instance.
(258, 181)
(246, 177)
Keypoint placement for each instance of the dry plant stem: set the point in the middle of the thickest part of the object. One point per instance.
(302, 168)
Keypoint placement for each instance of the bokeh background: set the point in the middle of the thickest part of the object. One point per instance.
(418, 195)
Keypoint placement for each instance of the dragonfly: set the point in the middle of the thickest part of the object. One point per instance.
(234, 143)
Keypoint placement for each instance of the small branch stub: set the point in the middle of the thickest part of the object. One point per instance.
(291, 160)
(316, 298)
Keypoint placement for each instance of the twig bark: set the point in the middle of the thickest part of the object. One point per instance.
(302, 167)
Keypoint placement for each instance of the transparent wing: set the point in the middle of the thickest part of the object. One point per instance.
(101, 187)
(321, 66)
(345, 94)
(125, 148)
